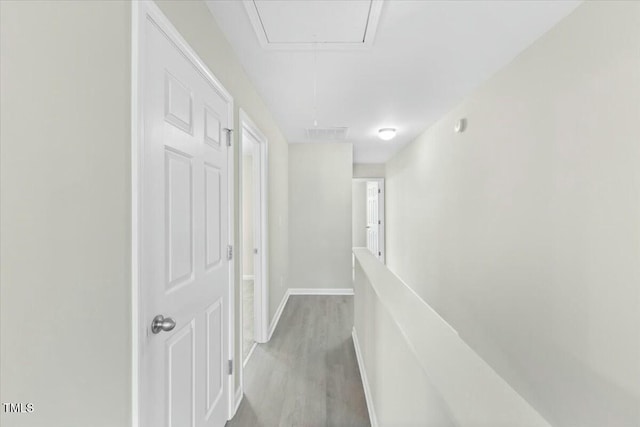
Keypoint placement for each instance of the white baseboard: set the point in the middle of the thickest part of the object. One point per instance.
(248, 277)
(278, 313)
(365, 382)
(246, 360)
(238, 399)
(320, 291)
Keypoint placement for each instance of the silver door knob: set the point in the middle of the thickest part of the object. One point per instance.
(161, 323)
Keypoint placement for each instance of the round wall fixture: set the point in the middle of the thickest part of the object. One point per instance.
(460, 126)
(386, 134)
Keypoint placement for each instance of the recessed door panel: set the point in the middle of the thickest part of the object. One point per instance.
(215, 365)
(178, 218)
(212, 204)
(181, 378)
(178, 103)
(212, 128)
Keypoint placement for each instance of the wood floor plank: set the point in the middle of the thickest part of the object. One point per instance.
(307, 375)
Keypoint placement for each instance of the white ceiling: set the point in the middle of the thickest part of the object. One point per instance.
(425, 57)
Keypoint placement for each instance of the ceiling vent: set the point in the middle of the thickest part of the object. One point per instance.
(327, 134)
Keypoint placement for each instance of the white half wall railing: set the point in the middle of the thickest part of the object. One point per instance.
(415, 368)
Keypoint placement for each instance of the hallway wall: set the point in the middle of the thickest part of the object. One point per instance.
(368, 170)
(524, 231)
(196, 24)
(320, 215)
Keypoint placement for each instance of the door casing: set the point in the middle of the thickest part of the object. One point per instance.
(261, 295)
(381, 216)
(141, 11)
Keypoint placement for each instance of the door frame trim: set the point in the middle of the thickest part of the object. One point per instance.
(141, 11)
(261, 304)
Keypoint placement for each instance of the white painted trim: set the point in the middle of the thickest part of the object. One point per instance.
(140, 12)
(239, 254)
(320, 291)
(264, 241)
(383, 223)
(367, 44)
(248, 276)
(261, 277)
(365, 381)
(231, 159)
(237, 399)
(278, 313)
(246, 359)
(137, 135)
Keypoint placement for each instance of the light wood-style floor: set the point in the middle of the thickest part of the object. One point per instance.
(307, 375)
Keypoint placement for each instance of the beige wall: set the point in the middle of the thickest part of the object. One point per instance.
(358, 213)
(523, 232)
(65, 212)
(196, 24)
(320, 215)
(368, 170)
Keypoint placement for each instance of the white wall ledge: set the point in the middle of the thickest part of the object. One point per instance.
(469, 392)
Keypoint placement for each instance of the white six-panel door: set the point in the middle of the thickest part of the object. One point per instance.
(184, 271)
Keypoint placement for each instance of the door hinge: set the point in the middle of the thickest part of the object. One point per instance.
(379, 253)
(379, 222)
(379, 191)
(230, 367)
(229, 132)
(229, 252)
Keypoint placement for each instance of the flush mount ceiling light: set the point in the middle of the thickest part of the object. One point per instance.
(386, 134)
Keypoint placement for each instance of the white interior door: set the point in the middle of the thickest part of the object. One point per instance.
(373, 218)
(184, 225)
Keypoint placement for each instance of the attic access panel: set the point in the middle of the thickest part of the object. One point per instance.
(304, 25)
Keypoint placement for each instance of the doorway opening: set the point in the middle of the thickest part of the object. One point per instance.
(368, 215)
(253, 240)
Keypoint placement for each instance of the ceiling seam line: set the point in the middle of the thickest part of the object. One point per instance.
(366, 27)
(264, 30)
